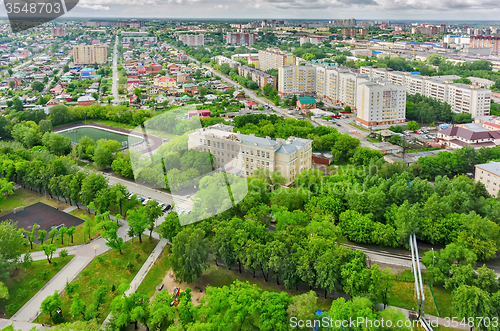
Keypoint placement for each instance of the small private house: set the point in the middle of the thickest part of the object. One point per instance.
(52, 102)
(211, 97)
(191, 89)
(199, 113)
(86, 100)
(305, 103)
(161, 98)
(238, 95)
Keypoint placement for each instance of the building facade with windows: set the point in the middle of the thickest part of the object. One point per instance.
(240, 38)
(273, 58)
(260, 77)
(461, 97)
(248, 153)
(381, 103)
(489, 175)
(192, 39)
(90, 54)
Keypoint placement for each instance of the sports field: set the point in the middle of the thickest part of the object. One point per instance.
(77, 133)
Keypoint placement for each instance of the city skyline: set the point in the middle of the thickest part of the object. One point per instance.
(291, 9)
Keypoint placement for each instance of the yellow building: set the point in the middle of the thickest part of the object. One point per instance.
(90, 54)
(247, 153)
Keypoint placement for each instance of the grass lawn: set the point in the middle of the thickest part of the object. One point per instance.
(116, 124)
(20, 289)
(155, 274)
(26, 197)
(106, 270)
(402, 295)
(372, 140)
(221, 276)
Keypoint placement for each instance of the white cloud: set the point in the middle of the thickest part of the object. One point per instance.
(93, 7)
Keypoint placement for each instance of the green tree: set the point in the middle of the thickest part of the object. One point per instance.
(104, 151)
(41, 236)
(62, 231)
(153, 212)
(412, 125)
(71, 231)
(52, 304)
(49, 250)
(52, 234)
(303, 307)
(470, 302)
(137, 221)
(170, 227)
(37, 86)
(30, 235)
(189, 255)
(4, 291)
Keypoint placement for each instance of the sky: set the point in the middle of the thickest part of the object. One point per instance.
(290, 9)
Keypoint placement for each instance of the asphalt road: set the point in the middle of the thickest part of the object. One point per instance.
(114, 87)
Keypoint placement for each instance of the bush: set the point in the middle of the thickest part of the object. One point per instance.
(137, 256)
(27, 260)
(22, 293)
(130, 266)
(34, 283)
(100, 259)
(113, 288)
(63, 253)
(71, 288)
(44, 274)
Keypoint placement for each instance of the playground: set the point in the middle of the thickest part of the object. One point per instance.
(45, 216)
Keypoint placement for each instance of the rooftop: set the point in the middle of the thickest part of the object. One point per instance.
(493, 167)
(306, 100)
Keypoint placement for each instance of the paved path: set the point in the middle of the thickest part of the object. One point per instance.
(23, 326)
(84, 254)
(69, 209)
(139, 277)
(114, 85)
(433, 320)
(31, 309)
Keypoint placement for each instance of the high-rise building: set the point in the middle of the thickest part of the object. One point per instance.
(380, 103)
(90, 54)
(297, 80)
(491, 42)
(240, 38)
(58, 31)
(250, 153)
(273, 58)
(461, 97)
(192, 39)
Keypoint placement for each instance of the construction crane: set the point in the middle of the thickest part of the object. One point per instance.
(413, 49)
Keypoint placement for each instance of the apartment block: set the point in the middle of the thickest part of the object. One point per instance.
(489, 175)
(492, 42)
(219, 59)
(461, 97)
(240, 38)
(58, 32)
(297, 80)
(244, 154)
(380, 103)
(336, 84)
(192, 39)
(260, 77)
(273, 58)
(90, 54)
